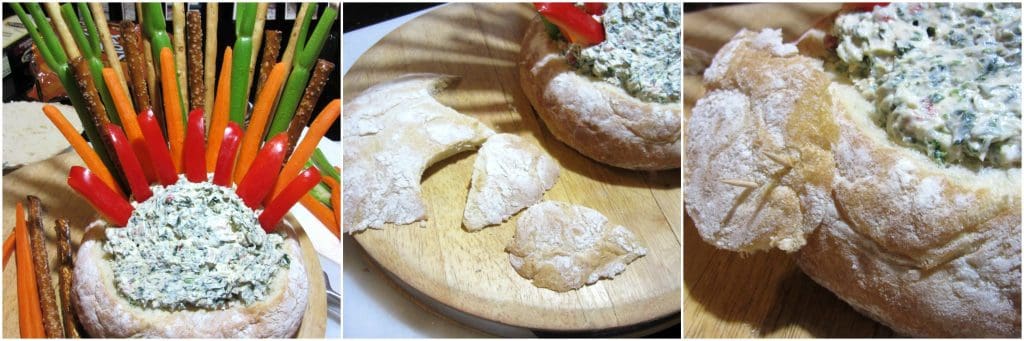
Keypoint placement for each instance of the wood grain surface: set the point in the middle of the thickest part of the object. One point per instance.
(47, 180)
(762, 294)
(470, 271)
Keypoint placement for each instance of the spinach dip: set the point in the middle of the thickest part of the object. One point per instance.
(193, 246)
(640, 52)
(945, 78)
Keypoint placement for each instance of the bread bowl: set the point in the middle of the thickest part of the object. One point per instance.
(599, 117)
(921, 242)
(137, 281)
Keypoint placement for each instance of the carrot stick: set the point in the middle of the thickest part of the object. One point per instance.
(335, 198)
(260, 115)
(220, 112)
(8, 248)
(30, 317)
(321, 213)
(92, 161)
(175, 131)
(320, 125)
(129, 123)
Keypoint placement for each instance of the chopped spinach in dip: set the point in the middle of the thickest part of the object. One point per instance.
(193, 246)
(945, 78)
(640, 52)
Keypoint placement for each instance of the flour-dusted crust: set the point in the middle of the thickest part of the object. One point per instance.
(596, 118)
(509, 174)
(561, 246)
(105, 313)
(758, 150)
(927, 250)
(393, 131)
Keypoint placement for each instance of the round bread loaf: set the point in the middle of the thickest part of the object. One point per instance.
(927, 249)
(598, 119)
(105, 313)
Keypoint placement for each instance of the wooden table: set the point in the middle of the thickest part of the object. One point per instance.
(470, 272)
(763, 294)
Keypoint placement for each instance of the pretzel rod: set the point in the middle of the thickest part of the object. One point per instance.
(321, 73)
(180, 59)
(271, 49)
(196, 85)
(211, 61)
(66, 264)
(47, 297)
(108, 42)
(57, 20)
(90, 96)
(131, 36)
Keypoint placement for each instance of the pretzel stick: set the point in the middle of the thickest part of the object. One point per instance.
(180, 63)
(321, 73)
(47, 297)
(108, 42)
(271, 50)
(257, 38)
(211, 60)
(131, 36)
(57, 20)
(98, 112)
(196, 86)
(67, 263)
(151, 72)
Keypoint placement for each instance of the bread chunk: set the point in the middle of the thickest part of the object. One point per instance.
(393, 131)
(561, 246)
(509, 174)
(758, 151)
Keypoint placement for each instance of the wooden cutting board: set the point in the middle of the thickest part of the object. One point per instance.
(762, 294)
(470, 272)
(47, 180)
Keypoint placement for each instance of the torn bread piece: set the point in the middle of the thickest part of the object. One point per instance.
(393, 131)
(561, 246)
(758, 151)
(509, 175)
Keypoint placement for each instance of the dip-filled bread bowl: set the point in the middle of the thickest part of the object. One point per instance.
(883, 150)
(605, 79)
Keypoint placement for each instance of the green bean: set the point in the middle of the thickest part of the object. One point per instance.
(322, 193)
(49, 37)
(242, 53)
(91, 54)
(326, 168)
(90, 25)
(155, 27)
(299, 76)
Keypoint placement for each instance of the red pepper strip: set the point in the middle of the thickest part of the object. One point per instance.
(862, 6)
(595, 8)
(129, 163)
(226, 156)
(288, 197)
(259, 180)
(195, 147)
(157, 147)
(103, 199)
(578, 26)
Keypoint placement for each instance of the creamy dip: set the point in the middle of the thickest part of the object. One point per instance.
(640, 52)
(945, 78)
(193, 245)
